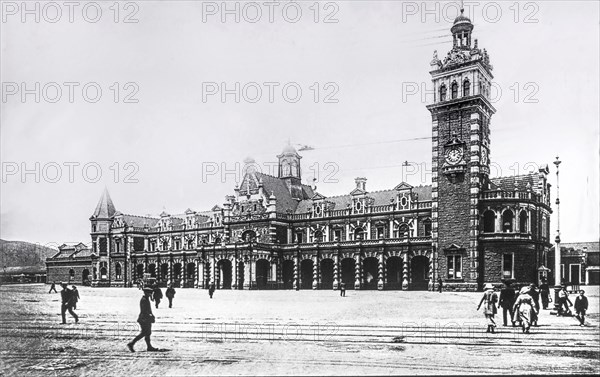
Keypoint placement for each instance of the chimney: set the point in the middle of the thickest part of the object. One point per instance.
(361, 183)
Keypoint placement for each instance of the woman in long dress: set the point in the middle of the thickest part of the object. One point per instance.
(489, 300)
(525, 308)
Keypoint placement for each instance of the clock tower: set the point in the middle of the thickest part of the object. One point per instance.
(461, 113)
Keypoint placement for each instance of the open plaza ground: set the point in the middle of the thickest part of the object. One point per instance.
(283, 333)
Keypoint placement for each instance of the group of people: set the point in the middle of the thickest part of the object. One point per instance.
(523, 306)
(69, 298)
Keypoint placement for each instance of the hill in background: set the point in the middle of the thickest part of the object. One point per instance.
(22, 254)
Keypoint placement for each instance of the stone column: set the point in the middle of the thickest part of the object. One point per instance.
(213, 270)
(357, 272)
(198, 273)
(234, 274)
(252, 273)
(380, 285)
(279, 273)
(170, 271)
(296, 277)
(405, 272)
(247, 274)
(315, 283)
(336, 277)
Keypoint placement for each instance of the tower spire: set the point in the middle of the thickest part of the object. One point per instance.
(105, 208)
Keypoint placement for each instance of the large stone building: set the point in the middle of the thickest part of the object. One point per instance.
(276, 232)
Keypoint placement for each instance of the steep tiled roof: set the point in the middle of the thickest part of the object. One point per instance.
(105, 208)
(508, 183)
(278, 187)
(379, 198)
(139, 221)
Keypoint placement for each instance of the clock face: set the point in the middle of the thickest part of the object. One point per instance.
(454, 155)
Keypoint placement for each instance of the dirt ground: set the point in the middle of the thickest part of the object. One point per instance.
(284, 333)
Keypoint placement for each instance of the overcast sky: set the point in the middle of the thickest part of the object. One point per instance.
(171, 129)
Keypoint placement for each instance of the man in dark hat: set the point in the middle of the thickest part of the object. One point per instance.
(157, 295)
(66, 296)
(507, 300)
(145, 319)
(545, 293)
(343, 289)
(211, 289)
(170, 294)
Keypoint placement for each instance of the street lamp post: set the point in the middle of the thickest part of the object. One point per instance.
(557, 272)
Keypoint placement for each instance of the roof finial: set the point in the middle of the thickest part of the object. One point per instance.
(462, 6)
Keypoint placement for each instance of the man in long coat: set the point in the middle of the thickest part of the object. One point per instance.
(507, 300)
(66, 296)
(145, 319)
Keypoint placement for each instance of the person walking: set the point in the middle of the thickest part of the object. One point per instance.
(170, 293)
(157, 295)
(211, 289)
(525, 308)
(145, 319)
(75, 297)
(53, 288)
(563, 301)
(581, 305)
(440, 284)
(535, 294)
(507, 300)
(489, 300)
(545, 293)
(66, 296)
(342, 289)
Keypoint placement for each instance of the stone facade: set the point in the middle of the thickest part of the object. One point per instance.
(275, 232)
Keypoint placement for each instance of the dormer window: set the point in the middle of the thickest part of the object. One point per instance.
(443, 93)
(454, 89)
(466, 88)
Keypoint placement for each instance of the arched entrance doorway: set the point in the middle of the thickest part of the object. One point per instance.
(190, 273)
(177, 275)
(306, 274)
(369, 273)
(164, 272)
(419, 273)
(262, 273)
(287, 274)
(327, 274)
(139, 271)
(348, 265)
(152, 270)
(85, 276)
(224, 274)
(394, 273)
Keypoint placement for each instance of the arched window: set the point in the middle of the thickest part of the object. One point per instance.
(118, 270)
(523, 222)
(489, 222)
(249, 235)
(507, 221)
(427, 227)
(466, 88)
(403, 231)
(443, 93)
(318, 236)
(359, 234)
(103, 273)
(454, 89)
(71, 273)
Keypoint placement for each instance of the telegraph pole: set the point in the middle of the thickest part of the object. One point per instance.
(557, 275)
